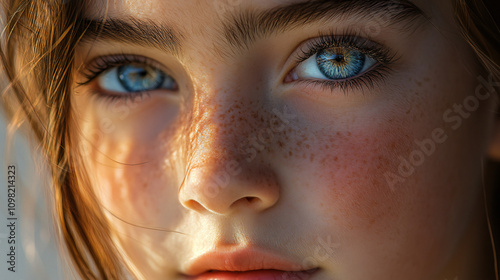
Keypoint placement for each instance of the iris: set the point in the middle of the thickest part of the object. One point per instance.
(340, 63)
(135, 78)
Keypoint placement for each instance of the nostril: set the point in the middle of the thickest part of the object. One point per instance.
(250, 201)
(194, 205)
(203, 190)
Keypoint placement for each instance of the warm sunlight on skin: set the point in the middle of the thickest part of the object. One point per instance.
(244, 149)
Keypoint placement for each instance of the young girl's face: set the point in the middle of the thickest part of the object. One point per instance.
(337, 139)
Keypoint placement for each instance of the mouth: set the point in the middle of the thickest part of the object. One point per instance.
(248, 263)
(262, 274)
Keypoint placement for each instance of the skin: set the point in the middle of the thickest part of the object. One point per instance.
(316, 177)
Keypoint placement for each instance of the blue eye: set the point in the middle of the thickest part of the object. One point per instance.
(131, 78)
(337, 63)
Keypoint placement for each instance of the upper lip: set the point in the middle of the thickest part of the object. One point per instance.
(244, 259)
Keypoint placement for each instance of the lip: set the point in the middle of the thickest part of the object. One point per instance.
(245, 264)
(265, 274)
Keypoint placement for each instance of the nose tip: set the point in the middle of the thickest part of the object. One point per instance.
(229, 188)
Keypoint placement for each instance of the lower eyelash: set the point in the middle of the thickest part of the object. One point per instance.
(111, 98)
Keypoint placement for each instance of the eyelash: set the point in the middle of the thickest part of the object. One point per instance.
(367, 79)
(105, 63)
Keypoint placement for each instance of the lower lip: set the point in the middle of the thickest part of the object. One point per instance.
(256, 275)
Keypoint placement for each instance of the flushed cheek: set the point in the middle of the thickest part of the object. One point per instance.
(379, 221)
(358, 206)
(350, 174)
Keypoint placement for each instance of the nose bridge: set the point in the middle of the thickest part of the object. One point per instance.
(219, 121)
(218, 172)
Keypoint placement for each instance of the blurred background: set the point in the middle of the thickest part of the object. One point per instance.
(36, 250)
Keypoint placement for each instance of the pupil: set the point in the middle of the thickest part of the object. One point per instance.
(141, 74)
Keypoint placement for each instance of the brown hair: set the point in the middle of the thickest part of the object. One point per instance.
(481, 31)
(37, 54)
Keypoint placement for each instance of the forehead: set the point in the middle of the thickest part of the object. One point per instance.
(186, 11)
(161, 8)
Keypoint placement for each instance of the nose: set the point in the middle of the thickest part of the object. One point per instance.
(221, 178)
(225, 188)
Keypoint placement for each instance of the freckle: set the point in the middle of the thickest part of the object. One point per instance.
(335, 159)
(408, 112)
(348, 133)
(322, 161)
(280, 144)
(308, 146)
(290, 153)
(311, 158)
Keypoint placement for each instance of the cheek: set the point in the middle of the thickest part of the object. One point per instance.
(351, 172)
(126, 150)
(380, 192)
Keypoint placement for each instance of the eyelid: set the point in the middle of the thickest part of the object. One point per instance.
(91, 70)
(368, 47)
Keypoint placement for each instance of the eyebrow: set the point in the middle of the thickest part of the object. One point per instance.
(244, 28)
(132, 31)
(241, 29)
